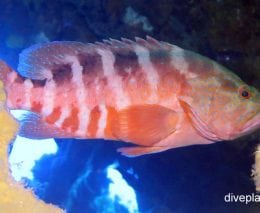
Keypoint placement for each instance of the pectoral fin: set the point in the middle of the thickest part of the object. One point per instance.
(144, 124)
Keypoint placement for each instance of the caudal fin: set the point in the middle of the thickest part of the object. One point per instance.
(4, 70)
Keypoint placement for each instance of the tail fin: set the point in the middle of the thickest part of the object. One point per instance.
(4, 70)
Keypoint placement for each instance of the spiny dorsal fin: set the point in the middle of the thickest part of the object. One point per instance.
(37, 61)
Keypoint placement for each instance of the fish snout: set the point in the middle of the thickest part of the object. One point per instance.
(253, 124)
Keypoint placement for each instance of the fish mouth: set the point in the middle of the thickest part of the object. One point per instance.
(252, 125)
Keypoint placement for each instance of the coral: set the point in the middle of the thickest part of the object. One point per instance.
(132, 18)
(13, 196)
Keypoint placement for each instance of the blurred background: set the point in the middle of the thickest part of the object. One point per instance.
(90, 176)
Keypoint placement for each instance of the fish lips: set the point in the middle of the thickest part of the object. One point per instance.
(252, 125)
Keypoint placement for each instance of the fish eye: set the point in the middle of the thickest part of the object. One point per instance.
(244, 92)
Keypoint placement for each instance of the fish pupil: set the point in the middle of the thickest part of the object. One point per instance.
(245, 94)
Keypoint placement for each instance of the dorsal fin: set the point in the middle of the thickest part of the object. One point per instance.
(37, 61)
(127, 41)
(153, 41)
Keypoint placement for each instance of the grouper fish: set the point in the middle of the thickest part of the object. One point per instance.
(150, 93)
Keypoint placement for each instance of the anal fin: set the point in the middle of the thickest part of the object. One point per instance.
(141, 150)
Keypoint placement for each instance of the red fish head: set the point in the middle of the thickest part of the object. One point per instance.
(223, 107)
(236, 108)
(235, 111)
(249, 118)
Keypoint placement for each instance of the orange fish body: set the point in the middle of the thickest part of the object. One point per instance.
(149, 93)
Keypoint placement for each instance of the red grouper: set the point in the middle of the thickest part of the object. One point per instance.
(146, 92)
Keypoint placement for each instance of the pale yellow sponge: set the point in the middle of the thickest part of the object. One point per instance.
(256, 172)
(13, 196)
